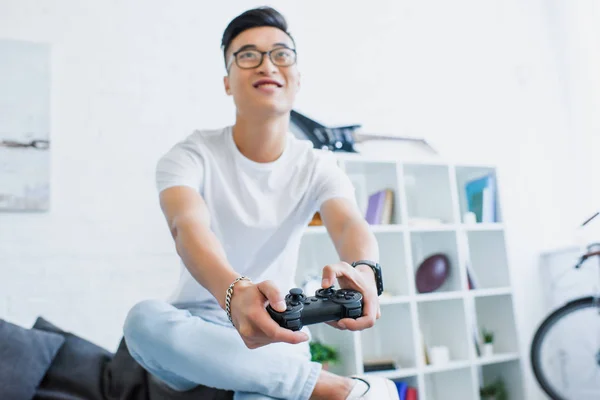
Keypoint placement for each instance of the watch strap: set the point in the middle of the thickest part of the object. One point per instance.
(376, 270)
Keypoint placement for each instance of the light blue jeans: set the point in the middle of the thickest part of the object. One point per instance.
(184, 350)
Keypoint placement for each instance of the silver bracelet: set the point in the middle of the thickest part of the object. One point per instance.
(230, 293)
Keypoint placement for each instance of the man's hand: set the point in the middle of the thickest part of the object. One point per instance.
(362, 280)
(251, 319)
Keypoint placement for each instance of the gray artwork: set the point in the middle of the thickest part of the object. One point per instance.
(24, 126)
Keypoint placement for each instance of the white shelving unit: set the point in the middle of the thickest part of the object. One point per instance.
(427, 218)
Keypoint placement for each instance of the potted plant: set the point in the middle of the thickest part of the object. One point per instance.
(488, 343)
(493, 391)
(323, 354)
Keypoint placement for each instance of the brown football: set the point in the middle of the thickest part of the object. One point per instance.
(432, 273)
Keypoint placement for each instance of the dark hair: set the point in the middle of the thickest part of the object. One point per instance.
(261, 16)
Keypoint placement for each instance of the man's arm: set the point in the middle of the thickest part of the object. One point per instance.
(188, 219)
(349, 231)
(353, 241)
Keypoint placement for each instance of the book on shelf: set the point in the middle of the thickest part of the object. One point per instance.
(481, 198)
(472, 279)
(380, 207)
(405, 391)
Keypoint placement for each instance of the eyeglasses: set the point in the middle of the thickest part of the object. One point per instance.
(252, 58)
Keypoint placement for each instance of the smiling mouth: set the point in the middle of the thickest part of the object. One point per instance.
(267, 85)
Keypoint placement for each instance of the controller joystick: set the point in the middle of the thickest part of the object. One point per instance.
(295, 297)
(325, 293)
(328, 304)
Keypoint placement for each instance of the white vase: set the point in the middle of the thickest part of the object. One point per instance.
(488, 350)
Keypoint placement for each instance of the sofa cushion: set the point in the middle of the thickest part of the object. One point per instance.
(77, 368)
(25, 357)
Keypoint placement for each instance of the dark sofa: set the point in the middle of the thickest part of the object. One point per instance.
(47, 363)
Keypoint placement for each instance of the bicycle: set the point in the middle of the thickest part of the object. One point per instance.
(564, 356)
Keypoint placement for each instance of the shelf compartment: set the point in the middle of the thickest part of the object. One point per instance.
(369, 178)
(443, 323)
(316, 251)
(344, 342)
(392, 258)
(510, 372)
(391, 338)
(450, 385)
(425, 244)
(409, 381)
(428, 195)
(466, 174)
(488, 266)
(496, 314)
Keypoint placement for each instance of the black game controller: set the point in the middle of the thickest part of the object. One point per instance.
(326, 305)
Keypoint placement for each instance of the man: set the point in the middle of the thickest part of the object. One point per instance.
(237, 201)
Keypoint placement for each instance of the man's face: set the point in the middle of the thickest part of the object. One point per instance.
(267, 89)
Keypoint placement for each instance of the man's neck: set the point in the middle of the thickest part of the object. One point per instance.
(261, 140)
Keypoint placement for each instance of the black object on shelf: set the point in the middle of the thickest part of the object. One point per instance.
(338, 138)
(380, 365)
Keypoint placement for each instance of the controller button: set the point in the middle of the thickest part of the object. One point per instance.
(354, 313)
(340, 295)
(313, 299)
(296, 291)
(307, 302)
(348, 296)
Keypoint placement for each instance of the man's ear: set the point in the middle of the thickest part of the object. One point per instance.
(226, 84)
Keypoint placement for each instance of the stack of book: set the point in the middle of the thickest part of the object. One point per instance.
(380, 207)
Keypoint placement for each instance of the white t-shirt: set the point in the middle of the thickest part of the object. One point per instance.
(258, 210)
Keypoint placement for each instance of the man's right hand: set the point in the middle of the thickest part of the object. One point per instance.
(251, 319)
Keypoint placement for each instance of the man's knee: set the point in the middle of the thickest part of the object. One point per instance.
(141, 321)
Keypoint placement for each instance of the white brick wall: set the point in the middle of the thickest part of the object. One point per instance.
(89, 295)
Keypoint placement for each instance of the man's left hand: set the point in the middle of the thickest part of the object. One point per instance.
(361, 279)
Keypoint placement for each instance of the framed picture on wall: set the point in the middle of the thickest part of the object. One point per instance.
(24, 126)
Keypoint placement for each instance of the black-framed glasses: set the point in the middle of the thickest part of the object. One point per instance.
(252, 58)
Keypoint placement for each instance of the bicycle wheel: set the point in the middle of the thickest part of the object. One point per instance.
(565, 352)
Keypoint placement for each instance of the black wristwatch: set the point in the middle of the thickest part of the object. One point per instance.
(376, 270)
